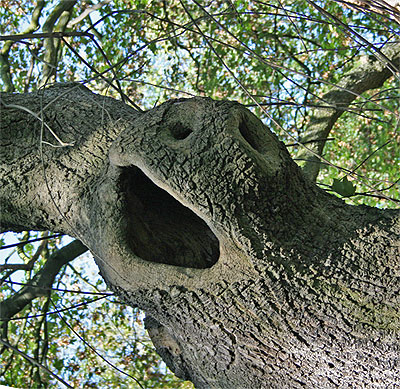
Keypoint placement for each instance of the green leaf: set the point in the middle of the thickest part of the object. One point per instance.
(58, 364)
(344, 187)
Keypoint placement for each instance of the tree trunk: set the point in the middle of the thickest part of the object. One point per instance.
(251, 276)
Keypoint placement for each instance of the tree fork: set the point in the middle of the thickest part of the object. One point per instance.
(251, 276)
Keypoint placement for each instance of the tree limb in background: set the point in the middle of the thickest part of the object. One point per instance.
(62, 13)
(42, 280)
(87, 12)
(371, 74)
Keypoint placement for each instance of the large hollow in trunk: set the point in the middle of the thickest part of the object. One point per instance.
(160, 228)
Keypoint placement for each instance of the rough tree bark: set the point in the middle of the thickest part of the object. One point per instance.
(251, 276)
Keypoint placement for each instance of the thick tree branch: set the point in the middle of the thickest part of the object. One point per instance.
(96, 130)
(42, 281)
(371, 74)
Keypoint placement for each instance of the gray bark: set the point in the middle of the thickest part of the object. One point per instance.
(251, 276)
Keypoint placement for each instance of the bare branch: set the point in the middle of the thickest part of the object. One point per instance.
(30, 241)
(54, 34)
(30, 261)
(87, 12)
(386, 8)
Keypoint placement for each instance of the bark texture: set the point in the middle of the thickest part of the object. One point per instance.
(251, 276)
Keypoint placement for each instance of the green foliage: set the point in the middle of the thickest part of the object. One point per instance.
(344, 187)
(369, 146)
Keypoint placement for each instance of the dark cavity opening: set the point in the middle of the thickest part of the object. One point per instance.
(160, 229)
(179, 131)
(250, 136)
